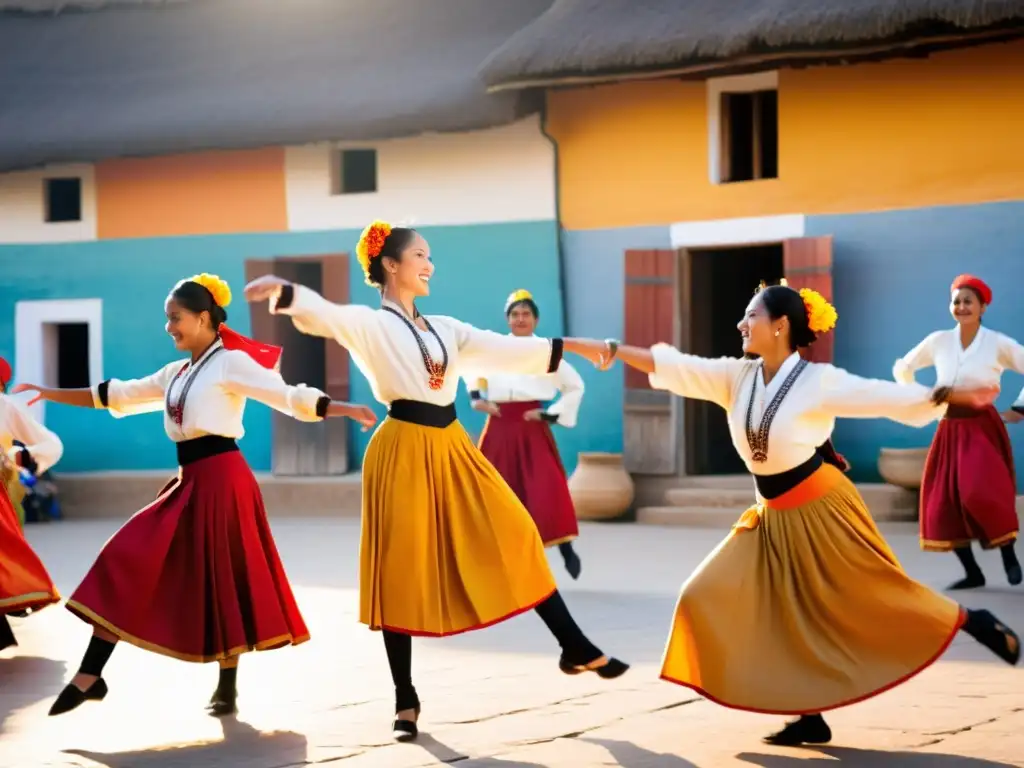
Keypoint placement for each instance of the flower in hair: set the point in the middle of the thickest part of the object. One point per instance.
(370, 244)
(218, 288)
(821, 316)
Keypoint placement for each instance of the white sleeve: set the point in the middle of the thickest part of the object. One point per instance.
(698, 378)
(129, 397)
(921, 356)
(845, 395)
(570, 384)
(244, 377)
(46, 448)
(490, 352)
(1011, 354)
(348, 324)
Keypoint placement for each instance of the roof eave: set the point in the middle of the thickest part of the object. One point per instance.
(918, 46)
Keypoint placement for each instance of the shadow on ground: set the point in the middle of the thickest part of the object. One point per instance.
(848, 757)
(26, 680)
(242, 745)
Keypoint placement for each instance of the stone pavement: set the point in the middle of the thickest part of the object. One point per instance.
(491, 699)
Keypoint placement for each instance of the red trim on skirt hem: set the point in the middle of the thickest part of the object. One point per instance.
(421, 633)
(961, 619)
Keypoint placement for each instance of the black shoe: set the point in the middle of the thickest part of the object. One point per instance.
(809, 729)
(995, 636)
(72, 697)
(970, 581)
(606, 667)
(223, 703)
(405, 730)
(1014, 575)
(573, 565)
(7, 638)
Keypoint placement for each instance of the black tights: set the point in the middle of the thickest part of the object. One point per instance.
(6, 633)
(970, 564)
(576, 648)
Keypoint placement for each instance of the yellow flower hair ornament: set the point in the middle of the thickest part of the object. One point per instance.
(821, 316)
(370, 244)
(218, 288)
(516, 296)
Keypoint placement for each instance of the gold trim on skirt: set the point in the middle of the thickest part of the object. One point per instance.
(804, 608)
(446, 546)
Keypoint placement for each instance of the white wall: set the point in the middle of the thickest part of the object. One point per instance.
(23, 207)
(496, 175)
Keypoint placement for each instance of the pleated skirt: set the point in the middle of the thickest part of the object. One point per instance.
(804, 608)
(24, 581)
(446, 546)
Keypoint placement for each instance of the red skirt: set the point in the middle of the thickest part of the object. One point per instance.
(526, 456)
(24, 582)
(195, 575)
(969, 488)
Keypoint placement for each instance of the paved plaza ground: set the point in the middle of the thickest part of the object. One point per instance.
(491, 699)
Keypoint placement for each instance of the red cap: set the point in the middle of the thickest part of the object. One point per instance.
(979, 285)
(5, 372)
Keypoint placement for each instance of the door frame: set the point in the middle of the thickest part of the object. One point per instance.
(708, 235)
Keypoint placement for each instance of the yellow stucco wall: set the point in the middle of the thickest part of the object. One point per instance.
(900, 134)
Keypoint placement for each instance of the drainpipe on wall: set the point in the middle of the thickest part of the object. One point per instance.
(558, 215)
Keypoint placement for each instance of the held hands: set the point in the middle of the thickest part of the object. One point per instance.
(600, 353)
(969, 398)
(263, 288)
(41, 392)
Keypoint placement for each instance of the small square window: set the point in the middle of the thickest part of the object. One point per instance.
(750, 135)
(354, 172)
(63, 200)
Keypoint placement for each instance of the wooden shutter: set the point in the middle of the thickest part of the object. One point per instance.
(650, 304)
(336, 289)
(649, 431)
(807, 263)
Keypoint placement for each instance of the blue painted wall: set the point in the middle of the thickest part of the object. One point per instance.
(132, 277)
(892, 272)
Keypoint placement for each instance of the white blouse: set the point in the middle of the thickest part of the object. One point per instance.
(980, 365)
(385, 349)
(806, 417)
(518, 388)
(223, 380)
(16, 423)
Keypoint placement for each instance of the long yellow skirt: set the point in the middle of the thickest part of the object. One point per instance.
(804, 608)
(446, 546)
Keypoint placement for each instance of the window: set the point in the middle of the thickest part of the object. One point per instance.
(749, 135)
(354, 171)
(67, 354)
(63, 200)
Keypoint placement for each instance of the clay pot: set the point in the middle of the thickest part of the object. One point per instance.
(902, 467)
(601, 488)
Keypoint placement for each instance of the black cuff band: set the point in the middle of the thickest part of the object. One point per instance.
(556, 355)
(474, 394)
(103, 390)
(550, 418)
(1018, 409)
(286, 297)
(322, 404)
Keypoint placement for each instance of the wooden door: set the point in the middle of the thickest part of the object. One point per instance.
(807, 263)
(302, 448)
(649, 428)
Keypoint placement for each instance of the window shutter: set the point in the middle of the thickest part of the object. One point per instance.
(649, 304)
(807, 263)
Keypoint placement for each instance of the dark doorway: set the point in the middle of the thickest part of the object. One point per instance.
(721, 283)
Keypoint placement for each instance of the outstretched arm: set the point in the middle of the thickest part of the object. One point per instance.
(489, 352)
(126, 397)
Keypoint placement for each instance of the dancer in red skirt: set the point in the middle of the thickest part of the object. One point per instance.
(25, 586)
(195, 575)
(517, 437)
(968, 492)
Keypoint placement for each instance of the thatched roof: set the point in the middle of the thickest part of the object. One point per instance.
(581, 40)
(83, 80)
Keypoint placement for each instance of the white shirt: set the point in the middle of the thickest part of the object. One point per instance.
(216, 400)
(980, 365)
(821, 394)
(16, 423)
(519, 388)
(385, 349)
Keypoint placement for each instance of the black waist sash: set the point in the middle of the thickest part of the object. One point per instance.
(773, 486)
(204, 447)
(423, 414)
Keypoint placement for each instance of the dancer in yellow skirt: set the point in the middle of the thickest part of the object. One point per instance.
(803, 608)
(446, 545)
